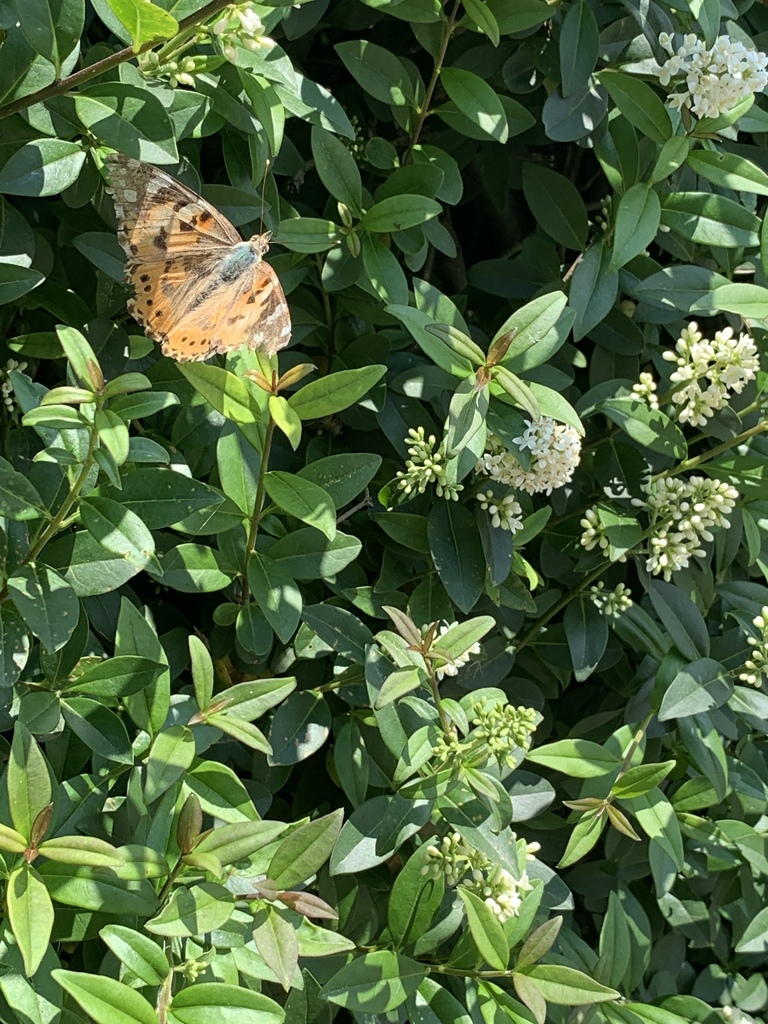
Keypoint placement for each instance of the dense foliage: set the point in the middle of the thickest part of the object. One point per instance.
(420, 671)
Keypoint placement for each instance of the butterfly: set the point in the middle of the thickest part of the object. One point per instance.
(198, 287)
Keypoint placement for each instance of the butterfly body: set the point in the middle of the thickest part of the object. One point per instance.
(199, 288)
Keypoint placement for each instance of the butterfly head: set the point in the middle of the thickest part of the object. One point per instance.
(260, 243)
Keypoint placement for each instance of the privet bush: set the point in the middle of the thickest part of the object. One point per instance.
(418, 673)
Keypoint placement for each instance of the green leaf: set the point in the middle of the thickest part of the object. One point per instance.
(748, 300)
(637, 221)
(343, 476)
(334, 392)
(120, 531)
(145, 21)
(19, 499)
(340, 629)
(30, 913)
(729, 171)
(398, 213)
(477, 101)
(193, 911)
(487, 934)
(579, 47)
(277, 595)
(651, 428)
(360, 845)
(699, 687)
(240, 840)
(304, 500)
(710, 219)
(457, 552)
(479, 13)
(44, 167)
(593, 290)
(171, 754)
(52, 27)
(308, 555)
(681, 618)
(587, 634)
(638, 780)
(656, 817)
(380, 73)
(116, 677)
(105, 1000)
(275, 939)
(305, 850)
(101, 729)
(375, 982)
(225, 392)
(639, 104)
(754, 938)
(556, 204)
(307, 234)
(300, 727)
(46, 602)
(565, 986)
(578, 758)
(530, 325)
(130, 119)
(138, 952)
(337, 169)
(583, 838)
(220, 1003)
(195, 569)
(14, 645)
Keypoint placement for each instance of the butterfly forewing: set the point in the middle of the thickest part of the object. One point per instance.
(193, 292)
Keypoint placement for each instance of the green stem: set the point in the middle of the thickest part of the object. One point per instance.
(699, 460)
(165, 994)
(559, 605)
(57, 521)
(424, 108)
(258, 506)
(445, 722)
(102, 66)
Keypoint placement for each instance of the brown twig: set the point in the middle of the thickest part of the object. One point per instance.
(100, 67)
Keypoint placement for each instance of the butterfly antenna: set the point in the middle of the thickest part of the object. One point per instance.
(263, 190)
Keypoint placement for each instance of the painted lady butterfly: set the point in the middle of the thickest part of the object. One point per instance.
(199, 288)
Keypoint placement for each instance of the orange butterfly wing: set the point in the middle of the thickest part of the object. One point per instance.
(195, 293)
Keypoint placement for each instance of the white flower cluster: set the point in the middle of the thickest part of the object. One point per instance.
(240, 25)
(722, 365)
(682, 515)
(594, 534)
(458, 862)
(555, 452)
(426, 466)
(6, 385)
(756, 668)
(645, 390)
(505, 513)
(716, 79)
(452, 668)
(611, 603)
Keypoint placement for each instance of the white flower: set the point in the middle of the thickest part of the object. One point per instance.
(756, 667)
(555, 452)
(594, 534)
(611, 602)
(506, 514)
(716, 79)
(240, 25)
(682, 514)
(500, 891)
(452, 668)
(645, 390)
(709, 371)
